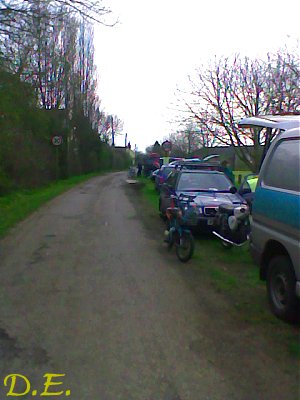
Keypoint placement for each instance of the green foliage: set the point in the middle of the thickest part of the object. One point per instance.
(27, 157)
(55, 57)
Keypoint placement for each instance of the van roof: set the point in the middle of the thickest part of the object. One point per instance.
(283, 122)
(291, 133)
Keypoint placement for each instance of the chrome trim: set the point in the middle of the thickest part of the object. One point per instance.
(229, 241)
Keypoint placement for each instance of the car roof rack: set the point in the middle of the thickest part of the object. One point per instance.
(208, 166)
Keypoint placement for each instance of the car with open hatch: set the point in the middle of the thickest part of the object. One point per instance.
(208, 188)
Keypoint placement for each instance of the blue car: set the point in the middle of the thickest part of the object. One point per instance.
(162, 175)
(210, 188)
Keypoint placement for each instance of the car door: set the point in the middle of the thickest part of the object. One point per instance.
(247, 188)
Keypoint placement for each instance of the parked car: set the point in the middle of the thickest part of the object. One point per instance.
(153, 174)
(162, 175)
(275, 236)
(210, 188)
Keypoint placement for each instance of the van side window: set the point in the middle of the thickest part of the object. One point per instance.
(283, 169)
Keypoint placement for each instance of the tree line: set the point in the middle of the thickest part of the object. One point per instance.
(228, 89)
(48, 87)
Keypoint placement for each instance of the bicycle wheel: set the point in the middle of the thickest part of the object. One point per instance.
(185, 247)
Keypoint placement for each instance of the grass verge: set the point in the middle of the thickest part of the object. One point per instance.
(18, 205)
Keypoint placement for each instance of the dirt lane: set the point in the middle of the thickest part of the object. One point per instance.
(88, 291)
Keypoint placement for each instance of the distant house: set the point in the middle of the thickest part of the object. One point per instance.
(125, 150)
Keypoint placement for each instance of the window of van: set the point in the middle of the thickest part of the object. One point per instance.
(283, 170)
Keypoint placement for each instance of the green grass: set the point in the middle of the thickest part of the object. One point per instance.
(18, 205)
(294, 347)
(148, 190)
(222, 280)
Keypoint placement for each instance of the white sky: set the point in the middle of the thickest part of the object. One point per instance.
(158, 43)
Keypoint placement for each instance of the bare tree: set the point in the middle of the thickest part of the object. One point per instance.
(190, 138)
(230, 89)
(109, 127)
(14, 14)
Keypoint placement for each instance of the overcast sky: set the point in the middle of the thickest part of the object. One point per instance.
(158, 43)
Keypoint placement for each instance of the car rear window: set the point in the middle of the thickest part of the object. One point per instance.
(203, 182)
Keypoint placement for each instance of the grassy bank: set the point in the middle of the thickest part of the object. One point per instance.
(233, 275)
(16, 206)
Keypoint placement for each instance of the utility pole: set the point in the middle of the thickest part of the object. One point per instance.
(112, 130)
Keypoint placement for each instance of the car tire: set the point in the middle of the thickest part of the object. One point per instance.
(281, 289)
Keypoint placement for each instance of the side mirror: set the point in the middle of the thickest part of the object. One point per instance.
(233, 190)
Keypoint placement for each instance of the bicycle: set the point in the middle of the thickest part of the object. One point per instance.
(179, 234)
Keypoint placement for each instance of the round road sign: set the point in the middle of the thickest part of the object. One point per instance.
(57, 140)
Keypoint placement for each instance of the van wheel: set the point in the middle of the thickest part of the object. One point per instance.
(281, 288)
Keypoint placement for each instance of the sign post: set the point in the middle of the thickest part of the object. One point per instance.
(167, 147)
(56, 141)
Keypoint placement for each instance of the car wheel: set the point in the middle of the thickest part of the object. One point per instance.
(281, 288)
